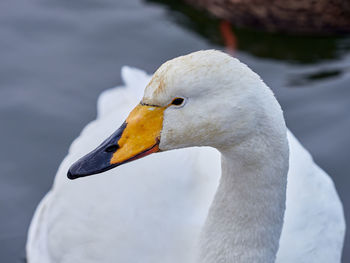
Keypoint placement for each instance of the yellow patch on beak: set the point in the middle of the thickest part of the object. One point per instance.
(141, 135)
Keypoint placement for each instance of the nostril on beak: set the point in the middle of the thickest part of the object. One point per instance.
(112, 148)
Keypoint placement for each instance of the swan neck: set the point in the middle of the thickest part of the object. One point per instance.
(245, 220)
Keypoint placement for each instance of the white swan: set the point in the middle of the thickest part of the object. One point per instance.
(153, 210)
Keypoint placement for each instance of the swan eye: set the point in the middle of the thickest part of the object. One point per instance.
(177, 101)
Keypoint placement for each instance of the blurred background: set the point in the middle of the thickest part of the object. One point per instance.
(57, 56)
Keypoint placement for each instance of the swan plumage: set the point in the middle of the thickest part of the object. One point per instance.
(153, 210)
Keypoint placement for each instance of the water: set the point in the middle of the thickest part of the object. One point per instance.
(58, 55)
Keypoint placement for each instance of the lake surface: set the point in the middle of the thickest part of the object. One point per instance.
(57, 56)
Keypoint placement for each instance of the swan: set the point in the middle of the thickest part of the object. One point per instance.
(174, 206)
(285, 17)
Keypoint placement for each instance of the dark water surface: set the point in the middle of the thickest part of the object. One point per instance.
(57, 56)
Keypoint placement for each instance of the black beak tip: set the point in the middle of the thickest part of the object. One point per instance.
(81, 168)
(70, 175)
(98, 160)
(93, 163)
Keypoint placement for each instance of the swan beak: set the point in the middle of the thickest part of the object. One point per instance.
(137, 137)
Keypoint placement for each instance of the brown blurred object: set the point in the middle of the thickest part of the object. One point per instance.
(229, 37)
(288, 16)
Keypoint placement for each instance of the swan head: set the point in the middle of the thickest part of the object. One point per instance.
(206, 98)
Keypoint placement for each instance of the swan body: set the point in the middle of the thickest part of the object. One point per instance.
(154, 209)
